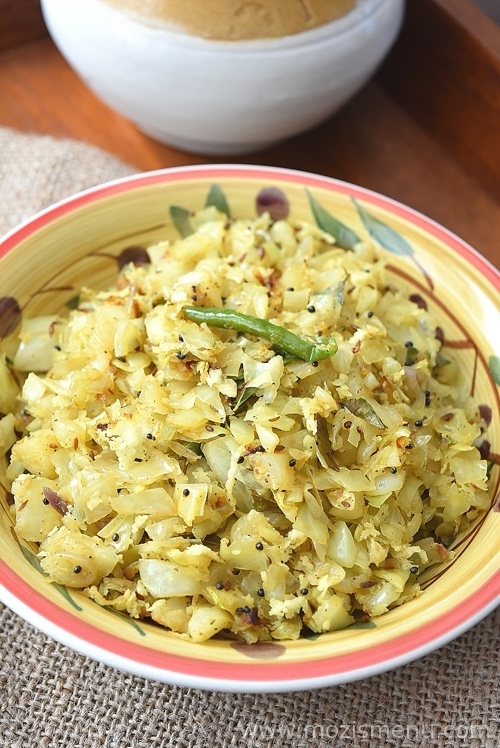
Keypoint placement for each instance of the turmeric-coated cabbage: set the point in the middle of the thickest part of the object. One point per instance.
(177, 467)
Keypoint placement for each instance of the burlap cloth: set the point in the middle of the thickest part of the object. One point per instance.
(52, 697)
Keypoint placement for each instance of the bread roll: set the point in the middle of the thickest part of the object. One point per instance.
(236, 19)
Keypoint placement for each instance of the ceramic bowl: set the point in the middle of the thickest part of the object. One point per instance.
(78, 241)
(221, 97)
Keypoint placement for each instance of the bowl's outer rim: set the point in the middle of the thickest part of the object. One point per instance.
(262, 676)
(258, 679)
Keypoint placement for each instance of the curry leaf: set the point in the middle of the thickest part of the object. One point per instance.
(325, 444)
(411, 355)
(344, 236)
(337, 292)
(194, 447)
(244, 395)
(390, 239)
(442, 360)
(180, 218)
(362, 409)
(217, 199)
(127, 619)
(74, 302)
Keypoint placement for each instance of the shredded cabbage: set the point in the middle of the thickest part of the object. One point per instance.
(208, 480)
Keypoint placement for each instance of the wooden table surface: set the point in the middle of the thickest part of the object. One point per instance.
(429, 137)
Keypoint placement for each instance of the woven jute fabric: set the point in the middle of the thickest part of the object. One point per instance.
(51, 697)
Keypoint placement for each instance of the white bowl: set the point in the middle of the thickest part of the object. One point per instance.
(221, 97)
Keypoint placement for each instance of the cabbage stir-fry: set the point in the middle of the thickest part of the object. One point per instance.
(252, 435)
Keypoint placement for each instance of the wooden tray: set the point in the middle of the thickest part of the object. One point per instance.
(425, 130)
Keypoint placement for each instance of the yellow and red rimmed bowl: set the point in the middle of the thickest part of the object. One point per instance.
(45, 261)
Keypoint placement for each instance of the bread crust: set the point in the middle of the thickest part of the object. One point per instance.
(236, 19)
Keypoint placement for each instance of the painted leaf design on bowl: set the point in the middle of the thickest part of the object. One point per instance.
(273, 201)
(260, 650)
(362, 625)
(217, 199)
(344, 236)
(418, 300)
(390, 239)
(494, 366)
(181, 219)
(10, 315)
(127, 619)
(486, 413)
(386, 236)
(134, 254)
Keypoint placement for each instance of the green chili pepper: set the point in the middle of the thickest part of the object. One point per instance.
(229, 319)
